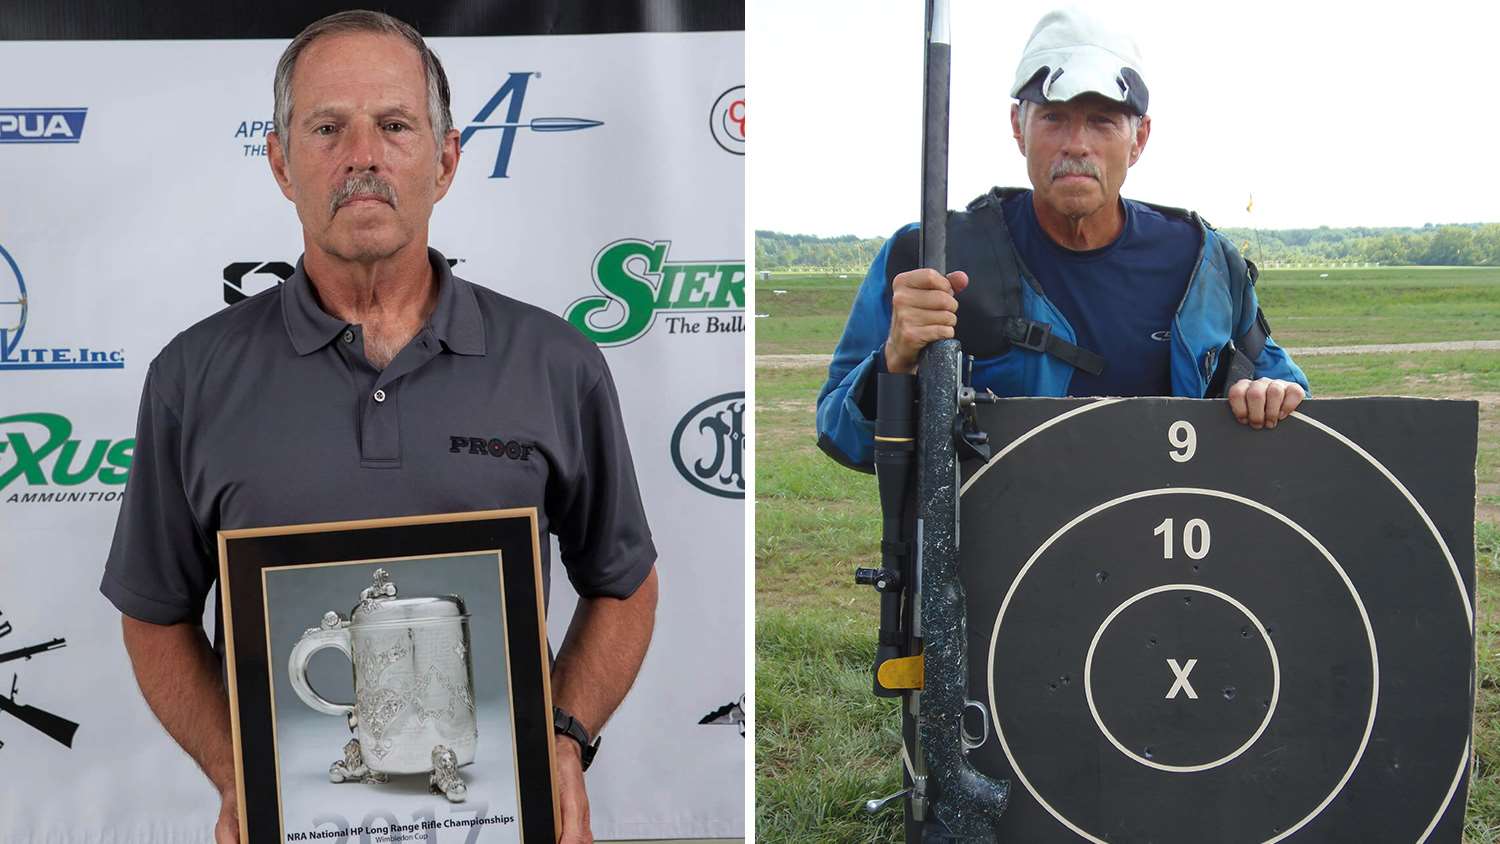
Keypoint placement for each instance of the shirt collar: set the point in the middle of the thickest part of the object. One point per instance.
(455, 320)
(310, 327)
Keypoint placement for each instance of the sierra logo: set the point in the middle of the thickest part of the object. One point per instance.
(638, 281)
(38, 449)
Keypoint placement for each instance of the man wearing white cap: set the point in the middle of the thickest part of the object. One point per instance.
(1067, 289)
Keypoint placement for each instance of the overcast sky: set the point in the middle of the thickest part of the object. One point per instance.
(1329, 113)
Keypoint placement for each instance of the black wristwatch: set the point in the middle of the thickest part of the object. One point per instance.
(563, 722)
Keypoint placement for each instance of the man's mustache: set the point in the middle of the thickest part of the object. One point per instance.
(1076, 167)
(363, 185)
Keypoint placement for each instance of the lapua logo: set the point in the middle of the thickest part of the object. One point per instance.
(637, 281)
(38, 449)
(41, 125)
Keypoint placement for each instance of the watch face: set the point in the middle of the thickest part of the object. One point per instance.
(49, 724)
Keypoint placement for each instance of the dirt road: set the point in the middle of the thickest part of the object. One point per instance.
(798, 361)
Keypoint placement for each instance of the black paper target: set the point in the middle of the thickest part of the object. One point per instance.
(1185, 630)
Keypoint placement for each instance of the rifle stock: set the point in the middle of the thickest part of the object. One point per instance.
(55, 727)
(968, 804)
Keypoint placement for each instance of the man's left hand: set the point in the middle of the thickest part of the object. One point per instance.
(573, 800)
(1265, 401)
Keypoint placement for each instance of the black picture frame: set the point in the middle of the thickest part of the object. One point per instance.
(249, 559)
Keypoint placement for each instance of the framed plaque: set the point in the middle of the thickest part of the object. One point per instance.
(388, 680)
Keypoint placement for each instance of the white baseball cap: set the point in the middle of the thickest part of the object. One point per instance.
(1071, 53)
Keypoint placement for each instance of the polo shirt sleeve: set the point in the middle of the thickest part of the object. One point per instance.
(159, 568)
(599, 520)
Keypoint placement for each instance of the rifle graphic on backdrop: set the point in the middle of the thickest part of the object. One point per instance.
(27, 653)
(56, 727)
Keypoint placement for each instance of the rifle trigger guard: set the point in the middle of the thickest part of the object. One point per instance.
(971, 741)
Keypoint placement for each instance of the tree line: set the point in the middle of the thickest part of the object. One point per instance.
(1468, 245)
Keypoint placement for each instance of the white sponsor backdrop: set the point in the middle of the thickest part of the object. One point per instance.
(122, 240)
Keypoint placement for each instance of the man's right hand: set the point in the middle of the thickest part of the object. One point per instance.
(923, 310)
(227, 830)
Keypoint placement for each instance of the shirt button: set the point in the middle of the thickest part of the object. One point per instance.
(348, 336)
(379, 395)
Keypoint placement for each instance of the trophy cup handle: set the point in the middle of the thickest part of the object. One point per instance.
(330, 635)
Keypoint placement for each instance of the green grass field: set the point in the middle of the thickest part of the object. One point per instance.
(1349, 307)
(824, 744)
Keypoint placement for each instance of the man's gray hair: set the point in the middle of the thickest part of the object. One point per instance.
(362, 20)
(1135, 119)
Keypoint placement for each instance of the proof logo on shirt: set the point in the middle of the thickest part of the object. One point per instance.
(493, 446)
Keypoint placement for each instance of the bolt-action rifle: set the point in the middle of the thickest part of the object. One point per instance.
(922, 421)
(56, 727)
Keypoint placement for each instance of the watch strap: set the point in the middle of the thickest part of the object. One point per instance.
(564, 723)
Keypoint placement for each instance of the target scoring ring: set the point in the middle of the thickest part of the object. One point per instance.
(1466, 602)
(1229, 496)
(1088, 678)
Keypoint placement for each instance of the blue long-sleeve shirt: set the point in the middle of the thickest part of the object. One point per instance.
(1204, 320)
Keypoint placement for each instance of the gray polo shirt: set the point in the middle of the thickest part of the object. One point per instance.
(267, 413)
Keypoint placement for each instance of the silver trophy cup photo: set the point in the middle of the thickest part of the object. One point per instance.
(413, 709)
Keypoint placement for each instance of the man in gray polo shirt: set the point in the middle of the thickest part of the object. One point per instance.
(374, 383)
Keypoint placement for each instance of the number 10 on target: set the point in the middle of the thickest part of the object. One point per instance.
(1195, 538)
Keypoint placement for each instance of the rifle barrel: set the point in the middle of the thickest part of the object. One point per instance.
(934, 237)
(28, 652)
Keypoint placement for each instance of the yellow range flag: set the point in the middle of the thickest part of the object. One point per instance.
(1250, 205)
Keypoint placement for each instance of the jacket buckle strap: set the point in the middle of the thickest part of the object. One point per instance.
(1254, 339)
(1028, 334)
(1038, 337)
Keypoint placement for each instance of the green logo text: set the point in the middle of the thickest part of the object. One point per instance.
(43, 451)
(637, 281)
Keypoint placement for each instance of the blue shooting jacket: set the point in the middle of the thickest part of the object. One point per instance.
(1216, 307)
